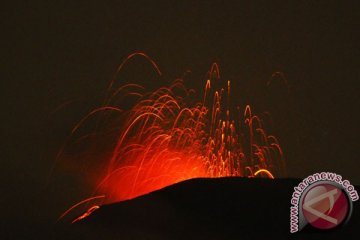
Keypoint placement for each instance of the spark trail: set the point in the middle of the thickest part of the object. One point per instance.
(166, 138)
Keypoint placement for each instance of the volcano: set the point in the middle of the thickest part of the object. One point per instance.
(204, 208)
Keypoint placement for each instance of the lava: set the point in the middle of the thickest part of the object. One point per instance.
(166, 138)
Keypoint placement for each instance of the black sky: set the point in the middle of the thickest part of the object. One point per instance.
(55, 52)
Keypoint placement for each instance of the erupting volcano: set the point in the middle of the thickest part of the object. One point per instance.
(166, 137)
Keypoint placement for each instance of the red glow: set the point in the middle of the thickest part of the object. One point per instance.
(166, 139)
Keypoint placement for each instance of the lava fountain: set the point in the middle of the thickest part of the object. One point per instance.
(166, 138)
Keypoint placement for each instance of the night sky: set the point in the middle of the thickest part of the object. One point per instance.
(58, 58)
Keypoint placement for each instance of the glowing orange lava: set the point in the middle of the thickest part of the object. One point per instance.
(167, 139)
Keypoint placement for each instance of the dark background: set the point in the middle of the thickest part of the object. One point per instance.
(58, 58)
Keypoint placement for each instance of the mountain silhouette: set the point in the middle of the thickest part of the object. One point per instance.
(218, 208)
